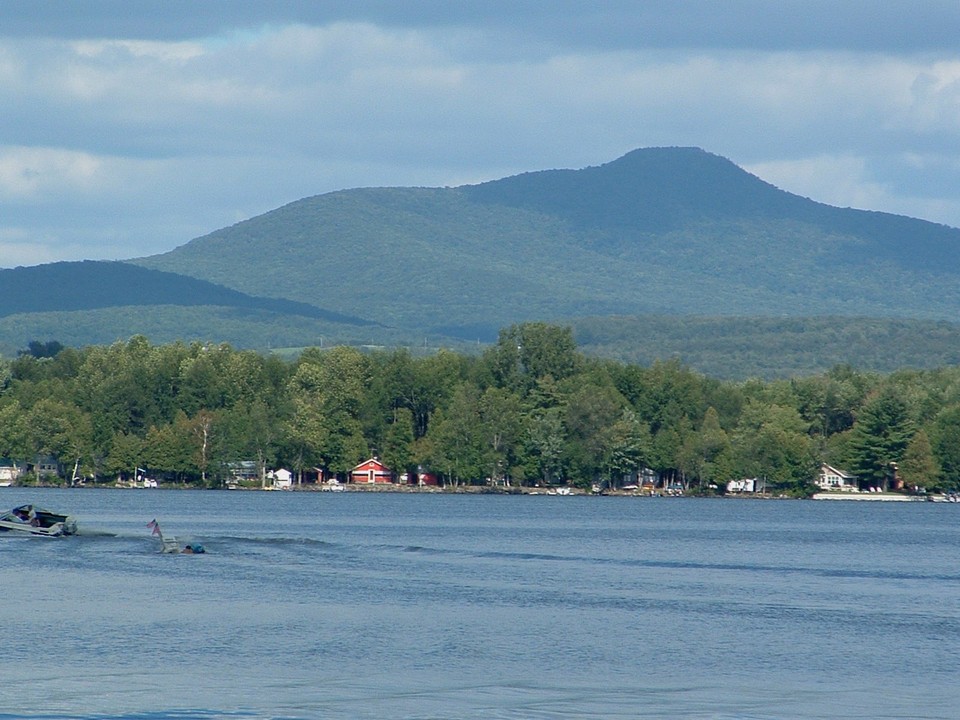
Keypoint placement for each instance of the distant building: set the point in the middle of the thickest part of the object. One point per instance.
(47, 465)
(427, 478)
(830, 478)
(9, 471)
(371, 472)
(243, 470)
(745, 485)
(282, 478)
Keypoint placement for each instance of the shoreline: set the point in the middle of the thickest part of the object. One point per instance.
(489, 490)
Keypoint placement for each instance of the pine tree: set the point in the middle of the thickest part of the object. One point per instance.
(880, 437)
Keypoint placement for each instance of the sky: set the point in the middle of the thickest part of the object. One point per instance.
(129, 127)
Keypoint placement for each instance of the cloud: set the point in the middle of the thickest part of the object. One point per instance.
(19, 246)
(28, 173)
(861, 182)
(891, 26)
(129, 141)
(835, 180)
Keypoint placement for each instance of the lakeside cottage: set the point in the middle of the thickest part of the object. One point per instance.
(744, 485)
(9, 472)
(371, 472)
(830, 478)
(243, 470)
(282, 478)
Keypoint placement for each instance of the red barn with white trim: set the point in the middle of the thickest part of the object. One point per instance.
(371, 472)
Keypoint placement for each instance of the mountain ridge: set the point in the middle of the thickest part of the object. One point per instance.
(95, 284)
(658, 231)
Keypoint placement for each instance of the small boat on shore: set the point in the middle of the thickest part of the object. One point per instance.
(33, 520)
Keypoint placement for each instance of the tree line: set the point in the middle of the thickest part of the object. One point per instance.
(530, 410)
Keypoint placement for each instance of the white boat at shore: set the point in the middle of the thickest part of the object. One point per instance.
(868, 496)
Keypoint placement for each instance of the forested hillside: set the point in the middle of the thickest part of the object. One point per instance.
(658, 231)
(90, 285)
(769, 348)
(662, 253)
(88, 303)
(724, 348)
(531, 409)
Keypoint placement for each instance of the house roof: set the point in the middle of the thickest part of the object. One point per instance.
(829, 469)
(371, 463)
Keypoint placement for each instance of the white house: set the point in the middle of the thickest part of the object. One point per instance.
(282, 478)
(9, 472)
(746, 485)
(830, 478)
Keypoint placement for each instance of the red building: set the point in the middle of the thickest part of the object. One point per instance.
(427, 478)
(371, 471)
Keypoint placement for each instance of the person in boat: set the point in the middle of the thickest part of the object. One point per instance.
(26, 514)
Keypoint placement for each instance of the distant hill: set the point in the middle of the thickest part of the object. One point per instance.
(240, 327)
(664, 190)
(663, 250)
(658, 231)
(90, 285)
(769, 348)
(84, 303)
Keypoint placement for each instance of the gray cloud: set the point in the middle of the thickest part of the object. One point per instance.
(861, 25)
(129, 133)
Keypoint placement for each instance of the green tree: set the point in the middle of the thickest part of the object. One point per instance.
(667, 395)
(527, 352)
(253, 431)
(202, 427)
(703, 451)
(828, 402)
(14, 439)
(945, 438)
(546, 440)
(328, 391)
(456, 441)
(60, 430)
(171, 448)
(502, 428)
(126, 454)
(398, 449)
(772, 442)
(590, 415)
(919, 469)
(880, 437)
(418, 385)
(627, 446)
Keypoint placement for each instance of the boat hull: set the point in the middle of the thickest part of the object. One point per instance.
(32, 520)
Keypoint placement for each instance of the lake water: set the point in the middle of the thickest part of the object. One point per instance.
(369, 605)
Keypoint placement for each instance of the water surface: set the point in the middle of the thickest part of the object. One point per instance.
(363, 605)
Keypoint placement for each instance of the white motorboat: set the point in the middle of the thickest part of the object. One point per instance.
(33, 520)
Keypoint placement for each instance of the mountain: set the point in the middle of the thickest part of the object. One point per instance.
(658, 233)
(664, 190)
(90, 285)
(768, 348)
(83, 303)
(661, 231)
